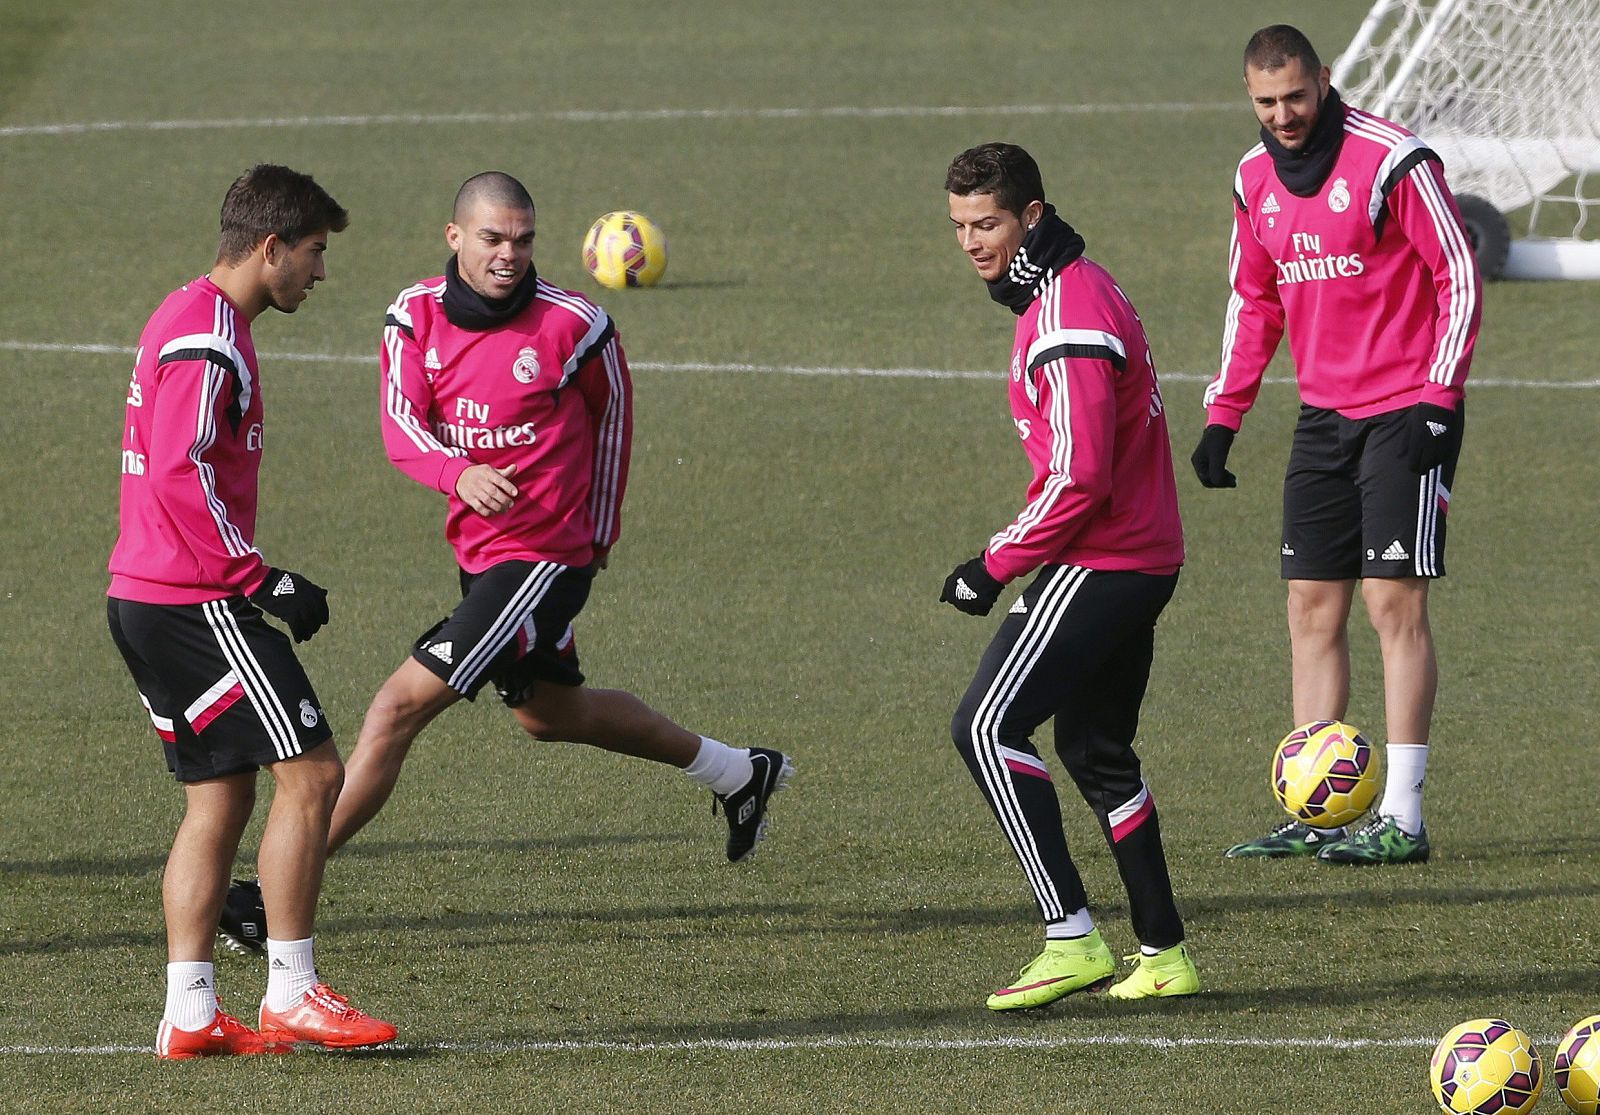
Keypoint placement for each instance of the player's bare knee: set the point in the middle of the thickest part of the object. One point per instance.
(1397, 608)
(547, 728)
(1313, 616)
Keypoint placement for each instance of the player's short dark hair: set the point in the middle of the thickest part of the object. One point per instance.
(269, 200)
(1273, 48)
(1002, 169)
(494, 186)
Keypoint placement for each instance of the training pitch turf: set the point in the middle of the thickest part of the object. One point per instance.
(553, 929)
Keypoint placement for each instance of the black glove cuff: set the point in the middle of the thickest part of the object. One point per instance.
(268, 583)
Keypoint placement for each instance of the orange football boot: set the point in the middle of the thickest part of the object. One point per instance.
(225, 1037)
(326, 1018)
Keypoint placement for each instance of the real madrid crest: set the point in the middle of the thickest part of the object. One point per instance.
(1339, 196)
(526, 367)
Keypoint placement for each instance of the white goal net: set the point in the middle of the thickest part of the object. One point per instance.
(1508, 93)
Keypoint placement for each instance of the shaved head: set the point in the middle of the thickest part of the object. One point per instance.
(493, 187)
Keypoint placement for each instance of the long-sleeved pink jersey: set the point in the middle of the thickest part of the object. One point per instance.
(191, 455)
(1373, 274)
(547, 391)
(1088, 409)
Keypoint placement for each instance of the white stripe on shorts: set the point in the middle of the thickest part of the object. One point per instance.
(518, 610)
(204, 702)
(242, 660)
(1431, 493)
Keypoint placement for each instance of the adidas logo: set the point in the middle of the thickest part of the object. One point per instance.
(284, 587)
(1020, 608)
(199, 985)
(962, 591)
(1395, 552)
(279, 965)
(1024, 270)
(431, 360)
(1437, 429)
(1271, 204)
(1287, 551)
(443, 651)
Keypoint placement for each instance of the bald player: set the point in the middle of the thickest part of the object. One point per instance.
(511, 397)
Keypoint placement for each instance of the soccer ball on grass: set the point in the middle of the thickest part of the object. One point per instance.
(1577, 1067)
(625, 249)
(1322, 773)
(1486, 1067)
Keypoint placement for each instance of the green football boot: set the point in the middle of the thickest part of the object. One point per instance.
(1083, 963)
(1379, 841)
(1169, 972)
(1292, 838)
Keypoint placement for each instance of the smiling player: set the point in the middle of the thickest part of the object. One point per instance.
(1346, 235)
(1101, 527)
(511, 397)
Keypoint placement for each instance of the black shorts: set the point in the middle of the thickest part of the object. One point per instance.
(513, 627)
(222, 686)
(1352, 507)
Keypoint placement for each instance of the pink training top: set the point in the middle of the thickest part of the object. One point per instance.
(191, 453)
(1088, 409)
(1373, 274)
(547, 391)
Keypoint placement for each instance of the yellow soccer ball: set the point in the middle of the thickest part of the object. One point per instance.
(625, 249)
(1577, 1067)
(1486, 1065)
(1323, 774)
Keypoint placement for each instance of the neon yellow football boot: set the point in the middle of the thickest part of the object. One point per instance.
(1168, 972)
(1083, 963)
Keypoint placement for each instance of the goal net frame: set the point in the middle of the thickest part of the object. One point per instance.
(1508, 93)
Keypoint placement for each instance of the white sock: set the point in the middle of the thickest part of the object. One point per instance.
(291, 972)
(720, 768)
(1402, 787)
(1076, 924)
(191, 995)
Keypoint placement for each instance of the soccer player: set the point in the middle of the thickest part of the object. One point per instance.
(1346, 234)
(188, 588)
(511, 397)
(1101, 527)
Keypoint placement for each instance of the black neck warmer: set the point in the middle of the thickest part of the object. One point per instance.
(467, 309)
(1049, 246)
(1304, 171)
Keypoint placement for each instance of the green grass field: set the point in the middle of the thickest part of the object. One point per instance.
(553, 928)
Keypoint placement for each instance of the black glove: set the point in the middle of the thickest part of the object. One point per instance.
(1430, 433)
(1210, 457)
(295, 600)
(970, 588)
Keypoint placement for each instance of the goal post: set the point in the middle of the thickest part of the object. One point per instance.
(1508, 93)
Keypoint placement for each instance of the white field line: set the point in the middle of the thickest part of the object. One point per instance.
(774, 1045)
(843, 372)
(606, 116)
